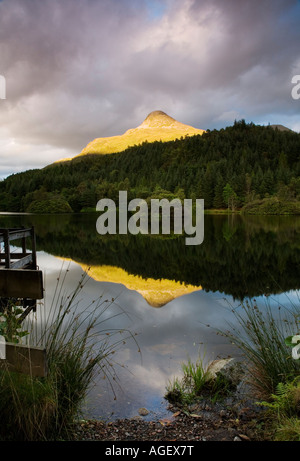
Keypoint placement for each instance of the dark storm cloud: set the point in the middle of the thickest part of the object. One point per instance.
(260, 40)
(240, 54)
(60, 60)
(80, 69)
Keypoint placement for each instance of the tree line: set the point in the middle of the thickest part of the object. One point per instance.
(228, 168)
(242, 256)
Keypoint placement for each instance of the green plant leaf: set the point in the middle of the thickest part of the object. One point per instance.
(288, 341)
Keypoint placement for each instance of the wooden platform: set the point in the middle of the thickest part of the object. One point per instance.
(25, 359)
(21, 283)
(16, 260)
(19, 275)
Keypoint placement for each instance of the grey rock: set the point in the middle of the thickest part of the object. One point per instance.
(231, 369)
(143, 412)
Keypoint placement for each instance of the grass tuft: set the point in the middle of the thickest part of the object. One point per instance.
(197, 382)
(78, 346)
(260, 335)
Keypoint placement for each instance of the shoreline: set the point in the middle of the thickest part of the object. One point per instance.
(204, 421)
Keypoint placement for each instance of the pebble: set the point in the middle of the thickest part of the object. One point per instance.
(244, 437)
(143, 412)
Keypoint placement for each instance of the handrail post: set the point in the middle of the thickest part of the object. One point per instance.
(24, 245)
(33, 247)
(6, 248)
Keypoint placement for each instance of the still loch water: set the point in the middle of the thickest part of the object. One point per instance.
(173, 297)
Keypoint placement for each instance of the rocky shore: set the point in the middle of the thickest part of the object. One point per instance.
(233, 419)
(205, 422)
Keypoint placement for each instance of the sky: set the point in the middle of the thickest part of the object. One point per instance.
(75, 70)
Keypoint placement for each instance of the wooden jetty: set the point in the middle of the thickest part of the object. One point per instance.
(19, 274)
(21, 281)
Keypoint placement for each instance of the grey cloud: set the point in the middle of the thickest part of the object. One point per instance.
(76, 70)
(255, 33)
(249, 49)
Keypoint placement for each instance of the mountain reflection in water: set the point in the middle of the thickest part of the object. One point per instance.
(241, 257)
(156, 292)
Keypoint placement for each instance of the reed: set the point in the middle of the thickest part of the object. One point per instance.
(78, 347)
(260, 334)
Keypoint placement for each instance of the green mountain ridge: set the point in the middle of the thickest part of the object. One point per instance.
(228, 168)
(157, 126)
(280, 127)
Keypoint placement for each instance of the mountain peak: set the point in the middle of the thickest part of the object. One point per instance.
(156, 113)
(280, 128)
(157, 118)
(157, 126)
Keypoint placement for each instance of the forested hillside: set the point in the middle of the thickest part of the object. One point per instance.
(228, 168)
